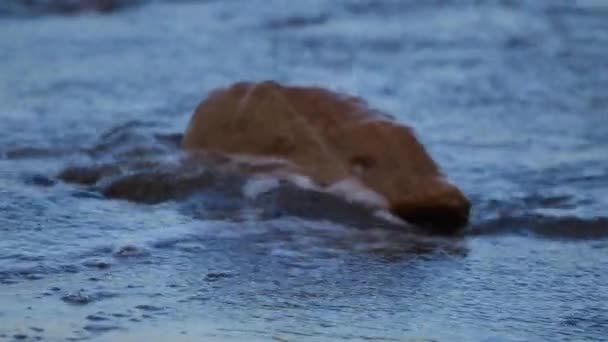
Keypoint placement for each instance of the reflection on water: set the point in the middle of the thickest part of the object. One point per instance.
(109, 232)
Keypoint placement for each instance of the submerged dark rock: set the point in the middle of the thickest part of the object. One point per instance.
(87, 175)
(40, 180)
(156, 187)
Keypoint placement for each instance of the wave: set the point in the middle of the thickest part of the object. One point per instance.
(558, 227)
(138, 163)
(133, 162)
(209, 192)
(64, 7)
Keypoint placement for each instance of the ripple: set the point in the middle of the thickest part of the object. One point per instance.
(77, 299)
(83, 298)
(63, 7)
(149, 308)
(294, 22)
(96, 318)
(564, 227)
(100, 264)
(130, 251)
(215, 276)
(101, 328)
(28, 152)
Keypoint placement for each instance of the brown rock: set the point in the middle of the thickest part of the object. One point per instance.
(330, 137)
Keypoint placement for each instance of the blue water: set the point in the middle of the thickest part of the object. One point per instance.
(509, 96)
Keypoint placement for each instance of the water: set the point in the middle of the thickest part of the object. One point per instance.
(509, 97)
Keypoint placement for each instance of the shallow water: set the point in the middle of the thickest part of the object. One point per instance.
(509, 97)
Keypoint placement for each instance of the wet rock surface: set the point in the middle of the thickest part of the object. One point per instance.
(330, 137)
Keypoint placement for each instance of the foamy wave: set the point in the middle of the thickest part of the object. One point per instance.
(215, 186)
(350, 189)
(272, 170)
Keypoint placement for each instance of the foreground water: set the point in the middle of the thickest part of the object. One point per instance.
(509, 97)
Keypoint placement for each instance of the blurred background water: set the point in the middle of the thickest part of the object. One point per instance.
(509, 96)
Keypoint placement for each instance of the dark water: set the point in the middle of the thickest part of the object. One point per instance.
(109, 233)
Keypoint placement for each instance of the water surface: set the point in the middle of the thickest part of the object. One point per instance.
(509, 97)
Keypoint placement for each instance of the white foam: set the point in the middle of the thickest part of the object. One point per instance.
(258, 185)
(351, 188)
(354, 191)
(389, 217)
(301, 181)
(258, 160)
